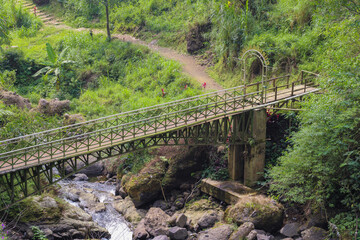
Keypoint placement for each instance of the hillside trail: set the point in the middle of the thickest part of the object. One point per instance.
(189, 64)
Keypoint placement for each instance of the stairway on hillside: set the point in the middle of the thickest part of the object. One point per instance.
(45, 17)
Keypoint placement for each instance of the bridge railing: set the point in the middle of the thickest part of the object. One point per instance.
(114, 135)
(117, 119)
(88, 142)
(114, 120)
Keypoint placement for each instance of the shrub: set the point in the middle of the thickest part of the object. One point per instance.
(7, 80)
(217, 167)
(13, 60)
(38, 234)
(345, 224)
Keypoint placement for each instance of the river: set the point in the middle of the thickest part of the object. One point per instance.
(110, 219)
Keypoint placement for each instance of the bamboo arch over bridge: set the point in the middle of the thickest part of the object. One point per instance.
(230, 116)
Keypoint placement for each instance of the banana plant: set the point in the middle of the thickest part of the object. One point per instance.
(55, 66)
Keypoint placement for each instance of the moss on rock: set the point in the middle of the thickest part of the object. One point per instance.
(265, 213)
(145, 186)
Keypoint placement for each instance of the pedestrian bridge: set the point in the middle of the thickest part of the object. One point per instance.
(28, 163)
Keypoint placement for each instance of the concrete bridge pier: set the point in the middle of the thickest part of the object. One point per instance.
(246, 159)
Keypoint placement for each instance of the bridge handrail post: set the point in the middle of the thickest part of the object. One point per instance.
(88, 143)
(25, 153)
(38, 152)
(302, 76)
(292, 88)
(265, 91)
(63, 145)
(287, 81)
(305, 85)
(51, 150)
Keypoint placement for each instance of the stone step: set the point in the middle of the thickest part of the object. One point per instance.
(47, 19)
(43, 15)
(226, 191)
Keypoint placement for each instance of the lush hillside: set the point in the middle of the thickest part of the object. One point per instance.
(321, 167)
(99, 78)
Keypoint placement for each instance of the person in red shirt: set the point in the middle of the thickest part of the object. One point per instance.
(35, 8)
(204, 85)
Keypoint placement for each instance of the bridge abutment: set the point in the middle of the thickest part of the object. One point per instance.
(246, 159)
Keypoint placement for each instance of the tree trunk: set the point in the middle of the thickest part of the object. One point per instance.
(107, 21)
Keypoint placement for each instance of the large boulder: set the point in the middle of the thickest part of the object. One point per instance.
(198, 209)
(80, 177)
(140, 232)
(145, 186)
(153, 224)
(183, 161)
(59, 219)
(53, 107)
(93, 170)
(11, 98)
(290, 229)
(178, 233)
(195, 39)
(208, 220)
(222, 232)
(314, 233)
(242, 231)
(263, 212)
(127, 208)
(72, 194)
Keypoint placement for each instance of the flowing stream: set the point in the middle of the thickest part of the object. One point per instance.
(110, 219)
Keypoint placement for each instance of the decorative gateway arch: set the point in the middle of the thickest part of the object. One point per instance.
(261, 56)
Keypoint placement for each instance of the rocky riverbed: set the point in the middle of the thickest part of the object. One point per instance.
(163, 201)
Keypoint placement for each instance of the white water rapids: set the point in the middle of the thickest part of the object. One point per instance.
(110, 219)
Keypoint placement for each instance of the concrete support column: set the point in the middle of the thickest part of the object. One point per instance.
(236, 162)
(255, 163)
(246, 161)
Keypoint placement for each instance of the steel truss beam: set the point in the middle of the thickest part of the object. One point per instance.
(16, 186)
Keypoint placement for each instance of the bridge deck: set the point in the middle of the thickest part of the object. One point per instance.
(92, 141)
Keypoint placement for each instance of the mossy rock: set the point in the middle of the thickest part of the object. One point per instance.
(39, 209)
(195, 210)
(265, 213)
(183, 161)
(145, 186)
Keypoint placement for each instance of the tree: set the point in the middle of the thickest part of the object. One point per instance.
(106, 3)
(56, 65)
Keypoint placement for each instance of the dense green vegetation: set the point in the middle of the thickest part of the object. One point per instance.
(321, 164)
(100, 78)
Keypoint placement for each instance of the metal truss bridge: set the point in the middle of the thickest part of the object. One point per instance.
(28, 163)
